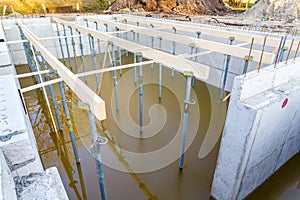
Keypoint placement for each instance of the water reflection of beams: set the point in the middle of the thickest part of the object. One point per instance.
(112, 145)
(53, 148)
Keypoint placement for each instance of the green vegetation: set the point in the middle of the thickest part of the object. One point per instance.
(35, 6)
(240, 4)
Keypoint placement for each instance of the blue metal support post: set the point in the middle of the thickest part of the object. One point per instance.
(140, 59)
(29, 57)
(160, 72)
(53, 99)
(68, 119)
(174, 53)
(187, 102)
(99, 44)
(60, 44)
(67, 47)
(98, 141)
(174, 29)
(126, 37)
(283, 49)
(247, 61)
(152, 44)
(138, 35)
(160, 81)
(192, 46)
(74, 49)
(82, 55)
(134, 68)
(197, 49)
(93, 51)
(119, 52)
(133, 36)
(113, 57)
(231, 39)
(106, 27)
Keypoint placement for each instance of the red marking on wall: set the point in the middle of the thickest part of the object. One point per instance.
(284, 103)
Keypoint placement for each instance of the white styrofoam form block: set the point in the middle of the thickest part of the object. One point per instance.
(7, 184)
(11, 105)
(257, 174)
(3, 47)
(12, 111)
(269, 77)
(7, 70)
(32, 167)
(4, 59)
(274, 125)
(46, 185)
(290, 148)
(18, 154)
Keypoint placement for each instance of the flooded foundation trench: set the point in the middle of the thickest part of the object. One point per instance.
(142, 165)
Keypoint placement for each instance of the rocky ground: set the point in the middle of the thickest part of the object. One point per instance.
(188, 7)
(279, 10)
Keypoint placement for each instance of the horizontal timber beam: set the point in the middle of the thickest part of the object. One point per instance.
(97, 105)
(227, 49)
(239, 36)
(98, 71)
(201, 71)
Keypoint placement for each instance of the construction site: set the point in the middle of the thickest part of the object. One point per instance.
(150, 99)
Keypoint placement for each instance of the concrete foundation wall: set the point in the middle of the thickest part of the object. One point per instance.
(261, 132)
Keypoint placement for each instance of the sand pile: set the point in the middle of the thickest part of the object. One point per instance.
(275, 9)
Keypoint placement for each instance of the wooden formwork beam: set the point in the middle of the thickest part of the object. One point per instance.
(201, 71)
(227, 49)
(82, 74)
(239, 36)
(97, 105)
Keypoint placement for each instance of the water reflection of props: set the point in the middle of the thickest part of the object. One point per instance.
(65, 160)
(113, 146)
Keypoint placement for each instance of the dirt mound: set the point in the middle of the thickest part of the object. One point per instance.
(275, 9)
(215, 7)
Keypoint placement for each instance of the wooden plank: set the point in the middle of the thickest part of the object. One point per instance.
(32, 74)
(221, 33)
(98, 71)
(180, 64)
(97, 105)
(236, 51)
(46, 83)
(39, 85)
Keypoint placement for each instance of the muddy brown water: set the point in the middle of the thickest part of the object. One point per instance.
(122, 173)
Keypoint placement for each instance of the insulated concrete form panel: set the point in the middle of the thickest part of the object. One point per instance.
(4, 59)
(270, 78)
(257, 174)
(290, 147)
(15, 138)
(233, 150)
(44, 186)
(7, 184)
(267, 134)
